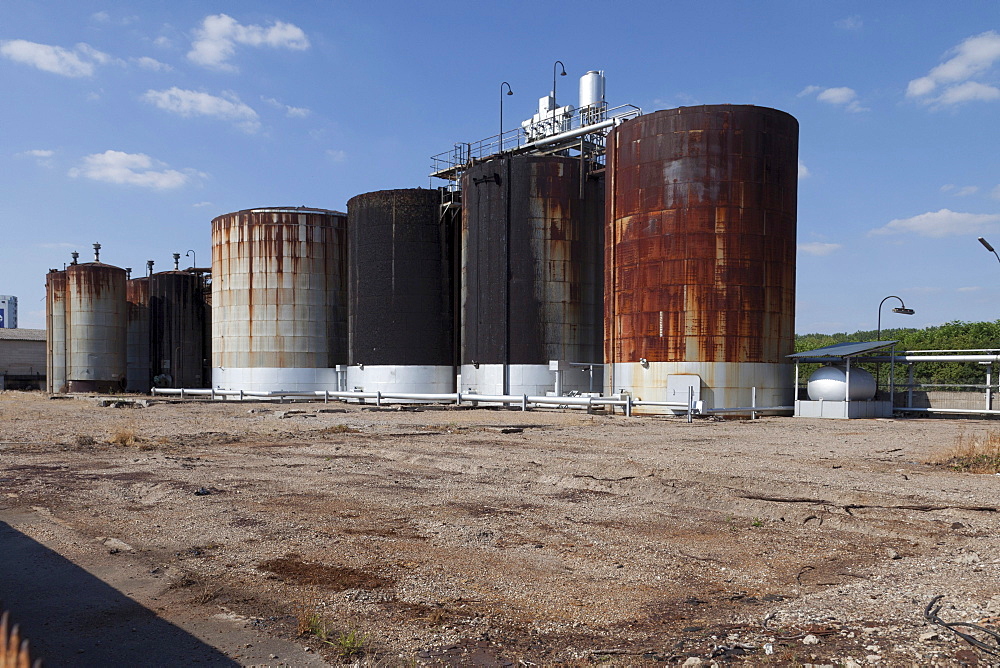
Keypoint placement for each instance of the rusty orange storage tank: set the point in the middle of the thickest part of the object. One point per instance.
(55, 331)
(138, 374)
(279, 299)
(96, 323)
(700, 255)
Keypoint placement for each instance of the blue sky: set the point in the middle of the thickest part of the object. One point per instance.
(133, 124)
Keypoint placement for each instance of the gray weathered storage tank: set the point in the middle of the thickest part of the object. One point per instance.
(96, 322)
(401, 282)
(177, 325)
(531, 275)
(55, 331)
(700, 264)
(138, 374)
(279, 299)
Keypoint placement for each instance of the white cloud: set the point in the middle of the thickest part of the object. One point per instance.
(80, 62)
(966, 191)
(995, 193)
(819, 248)
(216, 40)
(39, 153)
(136, 169)
(335, 155)
(841, 96)
(292, 112)
(974, 56)
(804, 172)
(201, 205)
(163, 42)
(188, 103)
(943, 223)
(971, 288)
(851, 23)
(969, 91)
(152, 64)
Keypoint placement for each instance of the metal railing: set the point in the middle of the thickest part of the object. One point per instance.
(582, 123)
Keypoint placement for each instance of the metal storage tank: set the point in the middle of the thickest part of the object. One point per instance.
(401, 281)
(138, 372)
(279, 299)
(531, 275)
(55, 331)
(176, 326)
(700, 255)
(96, 318)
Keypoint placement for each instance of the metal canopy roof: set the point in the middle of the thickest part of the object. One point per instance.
(849, 349)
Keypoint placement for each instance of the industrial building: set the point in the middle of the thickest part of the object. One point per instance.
(590, 251)
(22, 359)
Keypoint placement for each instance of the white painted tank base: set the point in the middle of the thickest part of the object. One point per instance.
(404, 379)
(274, 379)
(723, 384)
(534, 380)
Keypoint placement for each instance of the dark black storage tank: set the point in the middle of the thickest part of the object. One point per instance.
(177, 329)
(401, 283)
(532, 281)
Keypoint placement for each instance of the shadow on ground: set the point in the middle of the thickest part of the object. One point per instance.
(72, 618)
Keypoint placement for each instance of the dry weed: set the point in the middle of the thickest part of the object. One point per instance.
(339, 429)
(972, 454)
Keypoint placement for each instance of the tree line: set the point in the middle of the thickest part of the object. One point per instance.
(955, 335)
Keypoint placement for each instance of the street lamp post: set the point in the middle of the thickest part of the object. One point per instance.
(194, 258)
(509, 92)
(901, 309)
(554, 104)
(988, 247)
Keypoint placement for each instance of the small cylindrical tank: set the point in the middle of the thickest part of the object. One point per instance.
(55, 331)
(138, 373)
(591, 88)
(401, 279)
(829, 383)
(700, 253)
(279, 299)
(177, 325)
(96, 323)
(531, 274)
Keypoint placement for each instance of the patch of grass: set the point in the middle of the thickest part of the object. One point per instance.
(125, 436)
(339, 429)
(311, 623)
(972, 454)
(757, 522)
(84, 439)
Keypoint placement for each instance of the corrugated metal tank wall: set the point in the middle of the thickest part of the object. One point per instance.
(279, 298)
(401, 279)
(700, 252)
(532, 272)
(55, 331)
(177, 325)
(96, 324)
(138, 374)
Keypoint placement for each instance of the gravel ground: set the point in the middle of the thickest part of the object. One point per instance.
(306, 534)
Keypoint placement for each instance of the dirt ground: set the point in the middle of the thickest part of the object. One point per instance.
(226, 533)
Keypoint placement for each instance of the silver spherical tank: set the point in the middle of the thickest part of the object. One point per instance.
(96, 324)
(279, 299)
(829, 383)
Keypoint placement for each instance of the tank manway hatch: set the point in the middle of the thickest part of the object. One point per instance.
(840, 388)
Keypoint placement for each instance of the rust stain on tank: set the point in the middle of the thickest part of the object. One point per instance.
(279, 288)
(700, 236)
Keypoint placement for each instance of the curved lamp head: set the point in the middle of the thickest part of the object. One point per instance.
(904, 311)
(986, 243)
